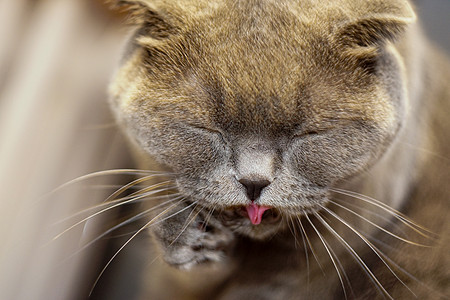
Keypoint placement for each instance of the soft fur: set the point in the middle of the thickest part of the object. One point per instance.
(313, 97)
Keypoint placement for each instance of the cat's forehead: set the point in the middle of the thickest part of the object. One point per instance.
(251, 62)
(249, 65)
(255, 67)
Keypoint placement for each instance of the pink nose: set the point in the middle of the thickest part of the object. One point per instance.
(255, 212)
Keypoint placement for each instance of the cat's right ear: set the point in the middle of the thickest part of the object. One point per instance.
(372, 25)
(375, 23)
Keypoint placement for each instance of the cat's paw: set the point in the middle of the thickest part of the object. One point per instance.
(193, 238)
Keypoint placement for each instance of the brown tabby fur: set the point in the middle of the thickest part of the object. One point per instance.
(354, 80)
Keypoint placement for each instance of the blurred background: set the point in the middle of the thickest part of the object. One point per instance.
(56, 58)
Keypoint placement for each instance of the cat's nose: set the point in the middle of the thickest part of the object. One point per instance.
(254, 187)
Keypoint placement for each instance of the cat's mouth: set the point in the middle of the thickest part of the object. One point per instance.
(257, 214)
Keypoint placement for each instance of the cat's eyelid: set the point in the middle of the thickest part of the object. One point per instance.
(216, 132)
(212, 130)
(315, 129)
(307, 133)
(209, 130)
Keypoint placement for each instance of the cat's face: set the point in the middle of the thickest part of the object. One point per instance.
(272, 106)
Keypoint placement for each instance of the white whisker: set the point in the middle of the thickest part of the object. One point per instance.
(356, 256)
(133, 183)
(151, 222)
(127, 221)
(306, 257)
(293, 230)
(121, 200)
(105, 210)
(331, 254)
(404, 219)
(208, 218)
(368, 243)
(187, 223)
(376, 225)
(309, 243)
(105, 173)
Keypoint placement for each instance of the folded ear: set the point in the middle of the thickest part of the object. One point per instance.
(370, 26)
(386, 21)
(135, 8)
(146, 14)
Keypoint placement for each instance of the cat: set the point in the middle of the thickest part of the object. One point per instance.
(292, 143)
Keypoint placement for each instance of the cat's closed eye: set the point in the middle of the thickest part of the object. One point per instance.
(307, 134)
(207, 130)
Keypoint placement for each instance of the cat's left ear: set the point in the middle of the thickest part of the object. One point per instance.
(139, 11)
(384, 23)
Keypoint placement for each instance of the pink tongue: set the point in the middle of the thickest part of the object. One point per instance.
(255, 212)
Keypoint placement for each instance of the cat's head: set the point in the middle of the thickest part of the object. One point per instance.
(262, 104)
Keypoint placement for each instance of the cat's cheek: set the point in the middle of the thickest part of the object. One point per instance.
(188, 154)
(323, 162)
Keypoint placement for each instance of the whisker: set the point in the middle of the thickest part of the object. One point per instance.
(405, 272)
(293, 230)
(187, 223)
(309, 243)
(147, 189)
(306, 256)
(331, 254)
(400, 216)
(368, 243)
(105, 186)
(381, 216)
(105, 173)
(133, 183)
(386, 218)
(151, 222)
(129, 220)
(376, 225)
(436, 154)
(208, 217)
(126, 222)
(392, 248)
(104, 210)
(372, 277)
(121, 200)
